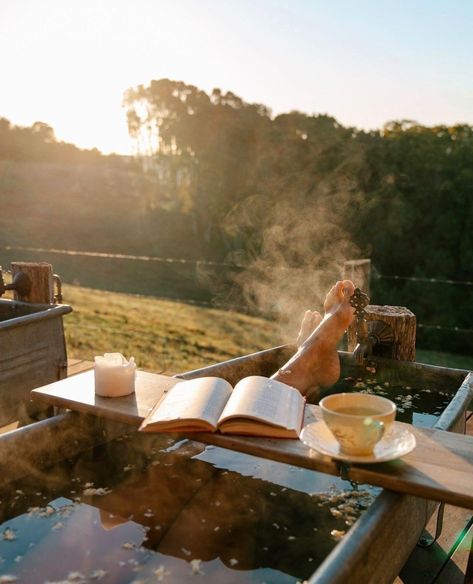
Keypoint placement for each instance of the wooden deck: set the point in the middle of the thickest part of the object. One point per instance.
(425, 565)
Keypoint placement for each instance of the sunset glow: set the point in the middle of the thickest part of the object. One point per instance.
(70, 62)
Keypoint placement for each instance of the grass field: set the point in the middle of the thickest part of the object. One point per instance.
(162, 335)
(445, 359)
(172, 337)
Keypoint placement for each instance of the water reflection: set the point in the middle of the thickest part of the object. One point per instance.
(138, 511)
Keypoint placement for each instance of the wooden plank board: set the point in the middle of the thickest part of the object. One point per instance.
(78, 393)
(440, 467)
(75, 366)
(9, 427)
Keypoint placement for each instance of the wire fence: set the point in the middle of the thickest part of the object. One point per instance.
(211, 263)
(426, 280)
(440, 327)
(429, 280)
(121, 256)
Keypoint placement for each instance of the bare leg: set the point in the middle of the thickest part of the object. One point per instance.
(316, 362)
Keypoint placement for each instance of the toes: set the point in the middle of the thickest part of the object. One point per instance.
(316, 318)
(335, 291)
(334, 296)
(348, 288)
(306, 327)
(339, 289)
(310, 321)
(338, 294)
(306, 324)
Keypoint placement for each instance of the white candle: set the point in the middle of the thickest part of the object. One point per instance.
(114, 375)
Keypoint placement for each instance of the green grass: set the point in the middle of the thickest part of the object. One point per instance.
(172, 337)
(445, 359)
(162, 335)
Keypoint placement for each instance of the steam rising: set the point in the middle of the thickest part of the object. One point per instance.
(300, 255)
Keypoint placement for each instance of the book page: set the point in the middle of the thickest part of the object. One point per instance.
(196, 399)
(267, 400)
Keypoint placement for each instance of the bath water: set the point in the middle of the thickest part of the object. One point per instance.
(146, 508)
(421, 406)
(143, 509)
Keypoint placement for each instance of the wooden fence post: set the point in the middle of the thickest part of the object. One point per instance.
(400, 321)
(398, 339)
(359, 272)
(42, 283)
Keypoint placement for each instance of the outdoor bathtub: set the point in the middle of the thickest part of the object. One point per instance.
(32, 353)
(373, 550)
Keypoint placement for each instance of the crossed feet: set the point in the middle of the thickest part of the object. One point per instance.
(316, 363)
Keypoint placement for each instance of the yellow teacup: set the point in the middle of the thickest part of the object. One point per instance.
(357, 420)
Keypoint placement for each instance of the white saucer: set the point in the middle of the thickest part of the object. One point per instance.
(397, 442)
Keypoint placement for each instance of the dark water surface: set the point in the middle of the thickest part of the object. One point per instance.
(421, 406)
(145, 508)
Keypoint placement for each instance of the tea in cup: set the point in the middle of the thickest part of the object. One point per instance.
(357, 420)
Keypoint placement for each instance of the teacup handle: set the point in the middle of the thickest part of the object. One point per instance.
(380, 427)
(376, 425)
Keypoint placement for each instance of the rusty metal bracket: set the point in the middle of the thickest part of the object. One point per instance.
(426, 541)
(21, 284)
(58, 283)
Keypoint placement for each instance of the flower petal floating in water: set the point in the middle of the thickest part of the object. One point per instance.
(98, 574)
(9, 534)
(161, 573)
(337, 534)
(196, 566)
(75, 576)
(100, 492)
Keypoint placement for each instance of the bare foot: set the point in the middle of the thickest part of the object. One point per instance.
(316, 363)
(310, 322)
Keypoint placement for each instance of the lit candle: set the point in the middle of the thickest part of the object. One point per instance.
(114, 375)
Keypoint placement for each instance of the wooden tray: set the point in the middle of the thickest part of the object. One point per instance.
(440, 468)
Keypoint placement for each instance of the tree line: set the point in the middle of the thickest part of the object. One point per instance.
(303, 190)
(38, 143)
(287, 197)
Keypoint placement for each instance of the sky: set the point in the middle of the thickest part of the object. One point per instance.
(366, 62)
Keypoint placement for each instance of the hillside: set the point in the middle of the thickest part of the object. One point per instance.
(51, 204)
(106, 206)
(162, 335)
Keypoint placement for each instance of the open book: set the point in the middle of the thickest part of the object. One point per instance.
(256, 406)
